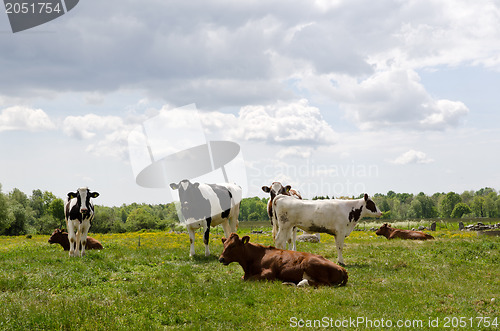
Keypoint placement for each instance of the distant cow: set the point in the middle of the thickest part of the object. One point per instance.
(205, 205)
(270, 263)
(79, 213)
(275, 189)
(59, 237)
(335, 217)
(392, 233)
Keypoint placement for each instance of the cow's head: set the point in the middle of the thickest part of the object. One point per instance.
(371, 208)
(191, 199)
(83, 196)
(384, 230)
(276, 188)
(233, 248)
(56, 236)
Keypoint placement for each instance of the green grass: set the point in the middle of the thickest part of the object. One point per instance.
(157, 286)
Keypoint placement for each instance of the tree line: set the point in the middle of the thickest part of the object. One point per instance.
(42, 211)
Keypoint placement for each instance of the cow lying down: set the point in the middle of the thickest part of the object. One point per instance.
(392, 233)
(59, 237)
(270, 263)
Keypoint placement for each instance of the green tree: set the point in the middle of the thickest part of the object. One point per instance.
(448, 203)
(55, 208)
(460, 210)
(4, 213)
(477, 206)
(18, 217)
(19, 197)
(141, 218)
(489, 205)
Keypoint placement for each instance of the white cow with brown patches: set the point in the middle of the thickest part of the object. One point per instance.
(335, 217)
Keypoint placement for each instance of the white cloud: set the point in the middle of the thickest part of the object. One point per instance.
(295, 151)
(108, 133)
(412, 157)
(292, 123)
(453, 33)
(24, 118)
(86, 127)
(396, 98)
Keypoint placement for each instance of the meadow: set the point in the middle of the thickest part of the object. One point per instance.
(147, 281)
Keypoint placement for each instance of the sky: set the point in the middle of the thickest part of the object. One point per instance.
(335, 98)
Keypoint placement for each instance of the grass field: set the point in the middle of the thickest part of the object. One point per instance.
(147, 281)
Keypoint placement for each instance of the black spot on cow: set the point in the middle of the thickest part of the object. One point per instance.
(370, 205)
(207, 231)
(355, 214)
(225, 197)
(313, 228)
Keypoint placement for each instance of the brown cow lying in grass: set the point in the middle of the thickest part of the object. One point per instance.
(392, 233)
(59, 237)
(270, 263)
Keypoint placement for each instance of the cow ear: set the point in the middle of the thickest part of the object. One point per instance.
(72, 195)
(196, 185)
(223, 240)
(366, 197)
(266, 189)
(245, 239)
(94, 194)
(288, 188)
(174, 186)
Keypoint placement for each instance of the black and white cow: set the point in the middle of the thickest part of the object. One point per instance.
(79, 213)
(336, 217)
(205, 205)
(274, 190)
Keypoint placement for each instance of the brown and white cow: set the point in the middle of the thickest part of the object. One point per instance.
(392, 233)
(270, 263)
(61, 238)
(79, 213)
(275, 189)
(336, 217)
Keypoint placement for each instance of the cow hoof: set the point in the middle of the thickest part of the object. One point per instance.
(303, 283)
(341, 264)
(288, 284)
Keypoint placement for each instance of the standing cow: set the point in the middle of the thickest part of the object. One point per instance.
(275, 189)
(79, 213)
(335, 217)
(205, 205)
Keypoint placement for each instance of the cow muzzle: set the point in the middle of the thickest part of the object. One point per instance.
(223, 261)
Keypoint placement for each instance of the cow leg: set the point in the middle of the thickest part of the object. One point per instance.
(84, 229)
(275, 228)
(71, 238)
(282, 237)
(206, 235)
(292, 237)
(339, 242)
(77, 241)
(227, 229)
(191, 240)
(233, 220)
